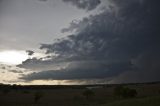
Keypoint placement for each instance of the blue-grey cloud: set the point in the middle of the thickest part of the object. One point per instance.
(81, 70)
(84, 4)
(128, 33)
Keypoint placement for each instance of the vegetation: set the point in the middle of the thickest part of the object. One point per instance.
(147, 101)
(125, 92)
(106, 95)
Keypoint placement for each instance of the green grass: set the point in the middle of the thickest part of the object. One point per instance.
(148, 101)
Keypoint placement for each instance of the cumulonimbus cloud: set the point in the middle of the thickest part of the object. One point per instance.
(129, 34)
(81, 70)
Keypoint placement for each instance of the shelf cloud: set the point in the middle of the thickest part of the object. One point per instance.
(121, 43)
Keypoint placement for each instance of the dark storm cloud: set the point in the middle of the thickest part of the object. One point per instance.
(76, 26)
(30, 52)
(146, 69)
(84, 4)
(126, 39)
(81, 70)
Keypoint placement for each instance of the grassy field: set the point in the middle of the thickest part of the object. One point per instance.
(147, 101)
(147, 95)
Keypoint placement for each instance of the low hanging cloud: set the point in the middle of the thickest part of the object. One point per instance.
(84, 4)
(114, 44)
(81, 70)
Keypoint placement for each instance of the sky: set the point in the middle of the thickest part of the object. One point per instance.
(79, 41)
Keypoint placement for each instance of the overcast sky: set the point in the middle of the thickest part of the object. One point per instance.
(79, 41)
(25, 24)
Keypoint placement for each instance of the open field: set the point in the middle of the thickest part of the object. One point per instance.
(147, 95)
(146, 101)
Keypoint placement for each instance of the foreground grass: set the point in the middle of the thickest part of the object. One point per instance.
(148, 101)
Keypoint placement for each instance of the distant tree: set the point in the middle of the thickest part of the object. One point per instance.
(14, 87)
(88, 93)
(38, 96)
(132, 93)
(125, 92)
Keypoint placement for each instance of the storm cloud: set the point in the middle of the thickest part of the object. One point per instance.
(81, 70)
(124, 39)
